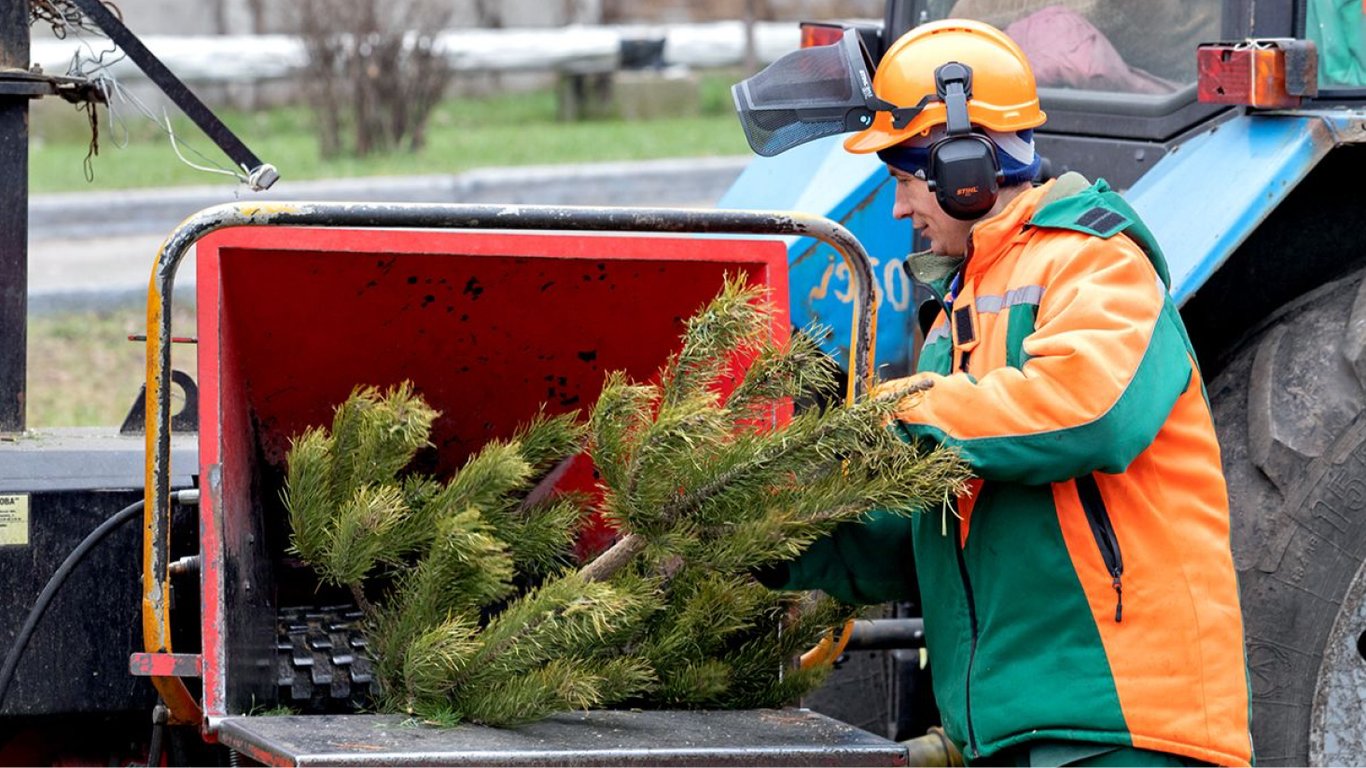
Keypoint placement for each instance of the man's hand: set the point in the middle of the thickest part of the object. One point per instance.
(906, 391)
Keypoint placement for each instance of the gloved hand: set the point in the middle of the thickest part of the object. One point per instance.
(862, 562)
(906, 389)
(908, 392)
(773, 575)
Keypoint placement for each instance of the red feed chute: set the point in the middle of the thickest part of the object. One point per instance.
(487, 327)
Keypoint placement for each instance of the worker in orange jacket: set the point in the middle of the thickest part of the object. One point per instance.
(1080, 601)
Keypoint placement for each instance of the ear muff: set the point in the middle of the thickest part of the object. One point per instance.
(964, 172)
(964, 175)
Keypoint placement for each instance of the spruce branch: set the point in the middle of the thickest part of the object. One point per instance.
(468, 553)
(376, 434)
(307, 495)
(357, 536)
(541, 539)
(436, 657)
(735, 321)
(473, 606)
(792, 370)
(547, 440)
(606, 565)
(561, 617)
(623, 409)
(488, 479)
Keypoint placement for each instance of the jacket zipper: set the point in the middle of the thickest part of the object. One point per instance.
(972, 621)
(963, 566)
(1104, 532)
(962, 364)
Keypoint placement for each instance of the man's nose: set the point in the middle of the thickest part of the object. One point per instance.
(901, 205)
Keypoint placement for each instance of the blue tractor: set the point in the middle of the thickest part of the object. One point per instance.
(1243, 157)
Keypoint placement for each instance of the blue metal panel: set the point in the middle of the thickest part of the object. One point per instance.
(1211, 193)
(855, 190)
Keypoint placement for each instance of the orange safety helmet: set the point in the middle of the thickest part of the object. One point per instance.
(1004, 97)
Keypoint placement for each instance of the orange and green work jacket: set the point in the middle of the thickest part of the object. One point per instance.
(1084, 588)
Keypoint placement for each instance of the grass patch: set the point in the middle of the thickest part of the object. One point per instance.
(83, 370)
(506, 130)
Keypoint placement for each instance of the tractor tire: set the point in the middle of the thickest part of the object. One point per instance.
(1290, 411)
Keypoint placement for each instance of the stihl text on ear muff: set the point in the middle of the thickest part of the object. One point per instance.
(964, 172)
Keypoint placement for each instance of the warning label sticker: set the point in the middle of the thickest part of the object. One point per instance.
(14, 520)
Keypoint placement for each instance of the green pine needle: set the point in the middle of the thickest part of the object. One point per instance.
(358, 536)
(473, 608)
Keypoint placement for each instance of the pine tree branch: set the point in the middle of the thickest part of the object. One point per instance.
(367, 607)
(608, 563)
(604, 566)
(478, 614)
(686, 502)
(546, 485)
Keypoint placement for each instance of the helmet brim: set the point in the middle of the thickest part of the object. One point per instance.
(883, 134)
(880, 135)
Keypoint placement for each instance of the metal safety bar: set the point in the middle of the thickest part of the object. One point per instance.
(156, 585)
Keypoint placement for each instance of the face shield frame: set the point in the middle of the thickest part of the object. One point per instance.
(812, 93)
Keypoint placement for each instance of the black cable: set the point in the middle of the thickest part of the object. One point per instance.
(54, 584)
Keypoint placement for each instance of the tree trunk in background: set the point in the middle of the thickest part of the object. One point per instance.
(258, 16)
(584, 11)
(490, 14)
(751, 53)
(219, 10)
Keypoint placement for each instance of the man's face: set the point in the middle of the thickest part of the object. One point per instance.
(914, 200)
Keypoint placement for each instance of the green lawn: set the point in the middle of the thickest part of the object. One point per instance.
(83, 370)
(514, 129)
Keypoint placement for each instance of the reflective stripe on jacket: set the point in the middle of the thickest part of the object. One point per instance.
(1084, 589)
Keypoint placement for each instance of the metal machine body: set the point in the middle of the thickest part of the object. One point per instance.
(449, 311)
(603, 738)
(210, 583)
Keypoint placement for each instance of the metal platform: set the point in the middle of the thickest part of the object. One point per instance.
(789, 737)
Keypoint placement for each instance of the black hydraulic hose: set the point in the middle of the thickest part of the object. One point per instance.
(54, 584)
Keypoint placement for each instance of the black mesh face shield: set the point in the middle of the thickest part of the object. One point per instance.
(809, 94)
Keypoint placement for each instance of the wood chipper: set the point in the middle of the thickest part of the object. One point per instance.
(300, 303)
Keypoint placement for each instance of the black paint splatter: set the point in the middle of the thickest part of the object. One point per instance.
(473, 288)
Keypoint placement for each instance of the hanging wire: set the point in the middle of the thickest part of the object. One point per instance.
(107, 86)
(175, 144)
(95, 64)
(88, 164)
(94, 60)
(65, 16)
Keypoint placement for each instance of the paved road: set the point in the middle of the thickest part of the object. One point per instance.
(96, 249)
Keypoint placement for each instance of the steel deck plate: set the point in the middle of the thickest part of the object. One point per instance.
(791, 737)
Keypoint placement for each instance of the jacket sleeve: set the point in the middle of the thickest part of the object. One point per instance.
(1104, 366)
(865, 562)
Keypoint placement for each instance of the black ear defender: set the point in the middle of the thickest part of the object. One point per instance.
(964, 172)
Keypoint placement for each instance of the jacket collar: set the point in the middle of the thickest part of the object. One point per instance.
(990, 238)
